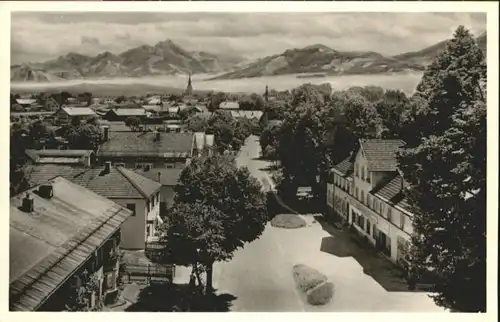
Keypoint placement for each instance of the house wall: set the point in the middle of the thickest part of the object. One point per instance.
(378, 214)
(152, 212)
(134, 228)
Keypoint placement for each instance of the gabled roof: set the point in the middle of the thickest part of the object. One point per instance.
(345, 167)
(58, 156)
(247, 114)
(78, 111)
(128, 111)
(145, 185)
(145, 143)
(168, 177)
(117, 184)
(49, 244)
(25, 101)
(391, 191)
(381, 154)
(229, 105)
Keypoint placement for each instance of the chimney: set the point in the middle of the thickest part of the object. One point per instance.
(159, 176)
(106, 133)
(107, 167)
(46, 191)
(28, 203)
(157, 136)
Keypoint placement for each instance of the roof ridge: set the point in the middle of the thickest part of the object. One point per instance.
(126, 173)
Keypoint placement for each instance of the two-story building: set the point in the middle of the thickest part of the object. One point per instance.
(148, 150)
(63, 239)
(366, 190)
(123, 186)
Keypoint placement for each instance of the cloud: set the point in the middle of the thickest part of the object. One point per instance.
(43, 35)
(93, 41)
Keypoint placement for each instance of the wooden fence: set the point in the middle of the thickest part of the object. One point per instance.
(149, 272)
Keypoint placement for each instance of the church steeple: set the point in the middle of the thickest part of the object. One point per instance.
(189, 89)
(266, 94)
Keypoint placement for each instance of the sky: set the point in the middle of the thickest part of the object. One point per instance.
(39, 36)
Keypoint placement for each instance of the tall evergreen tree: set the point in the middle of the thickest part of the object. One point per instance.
(446, 168)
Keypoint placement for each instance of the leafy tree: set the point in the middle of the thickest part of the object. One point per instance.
(269, 140)
(446, 168)
(76, 121)
(251, 103)
(391, 108)
(120, 99)
(360, 115)
(196, 123)
(133, 122)
(85, 137)
(371, 93)
(214, 101)
(241, 213)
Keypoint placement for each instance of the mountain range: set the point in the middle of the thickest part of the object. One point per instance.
(168, 58)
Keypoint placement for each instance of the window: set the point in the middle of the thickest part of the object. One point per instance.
(368, 227)
(381, 209)
(375, 204)
(362, 172)
(368, 200)
(402, 221)
(170, 166)
(357, 191)
(148, 206)
(367, 176)
(389, 214)
(131, 206)
(356, 169)
(362, 196)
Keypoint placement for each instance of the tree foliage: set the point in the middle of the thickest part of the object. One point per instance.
(133, 122)
(252, 103)
(85, 137)
(223, 207)
(446, 168)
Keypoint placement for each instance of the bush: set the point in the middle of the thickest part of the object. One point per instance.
(321, 294)
(288, 221)
(307, 278)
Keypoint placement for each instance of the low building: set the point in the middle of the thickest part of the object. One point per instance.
(123, 186)
(255, 115)
(147, 149)
(63, 238)
(229, 105)
(367, 191)
(64, 115)
(120, 114)
(74, 157)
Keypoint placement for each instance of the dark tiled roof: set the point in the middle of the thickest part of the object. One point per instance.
(118, 183)
(390, 190)
(137, 143)
(168, 177)
(346, 166)
(145, 185)
(51, 243)
(381, 154)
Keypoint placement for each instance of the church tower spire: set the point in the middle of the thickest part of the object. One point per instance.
(189, 89)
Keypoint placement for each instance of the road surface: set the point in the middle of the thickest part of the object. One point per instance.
(260, 274)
